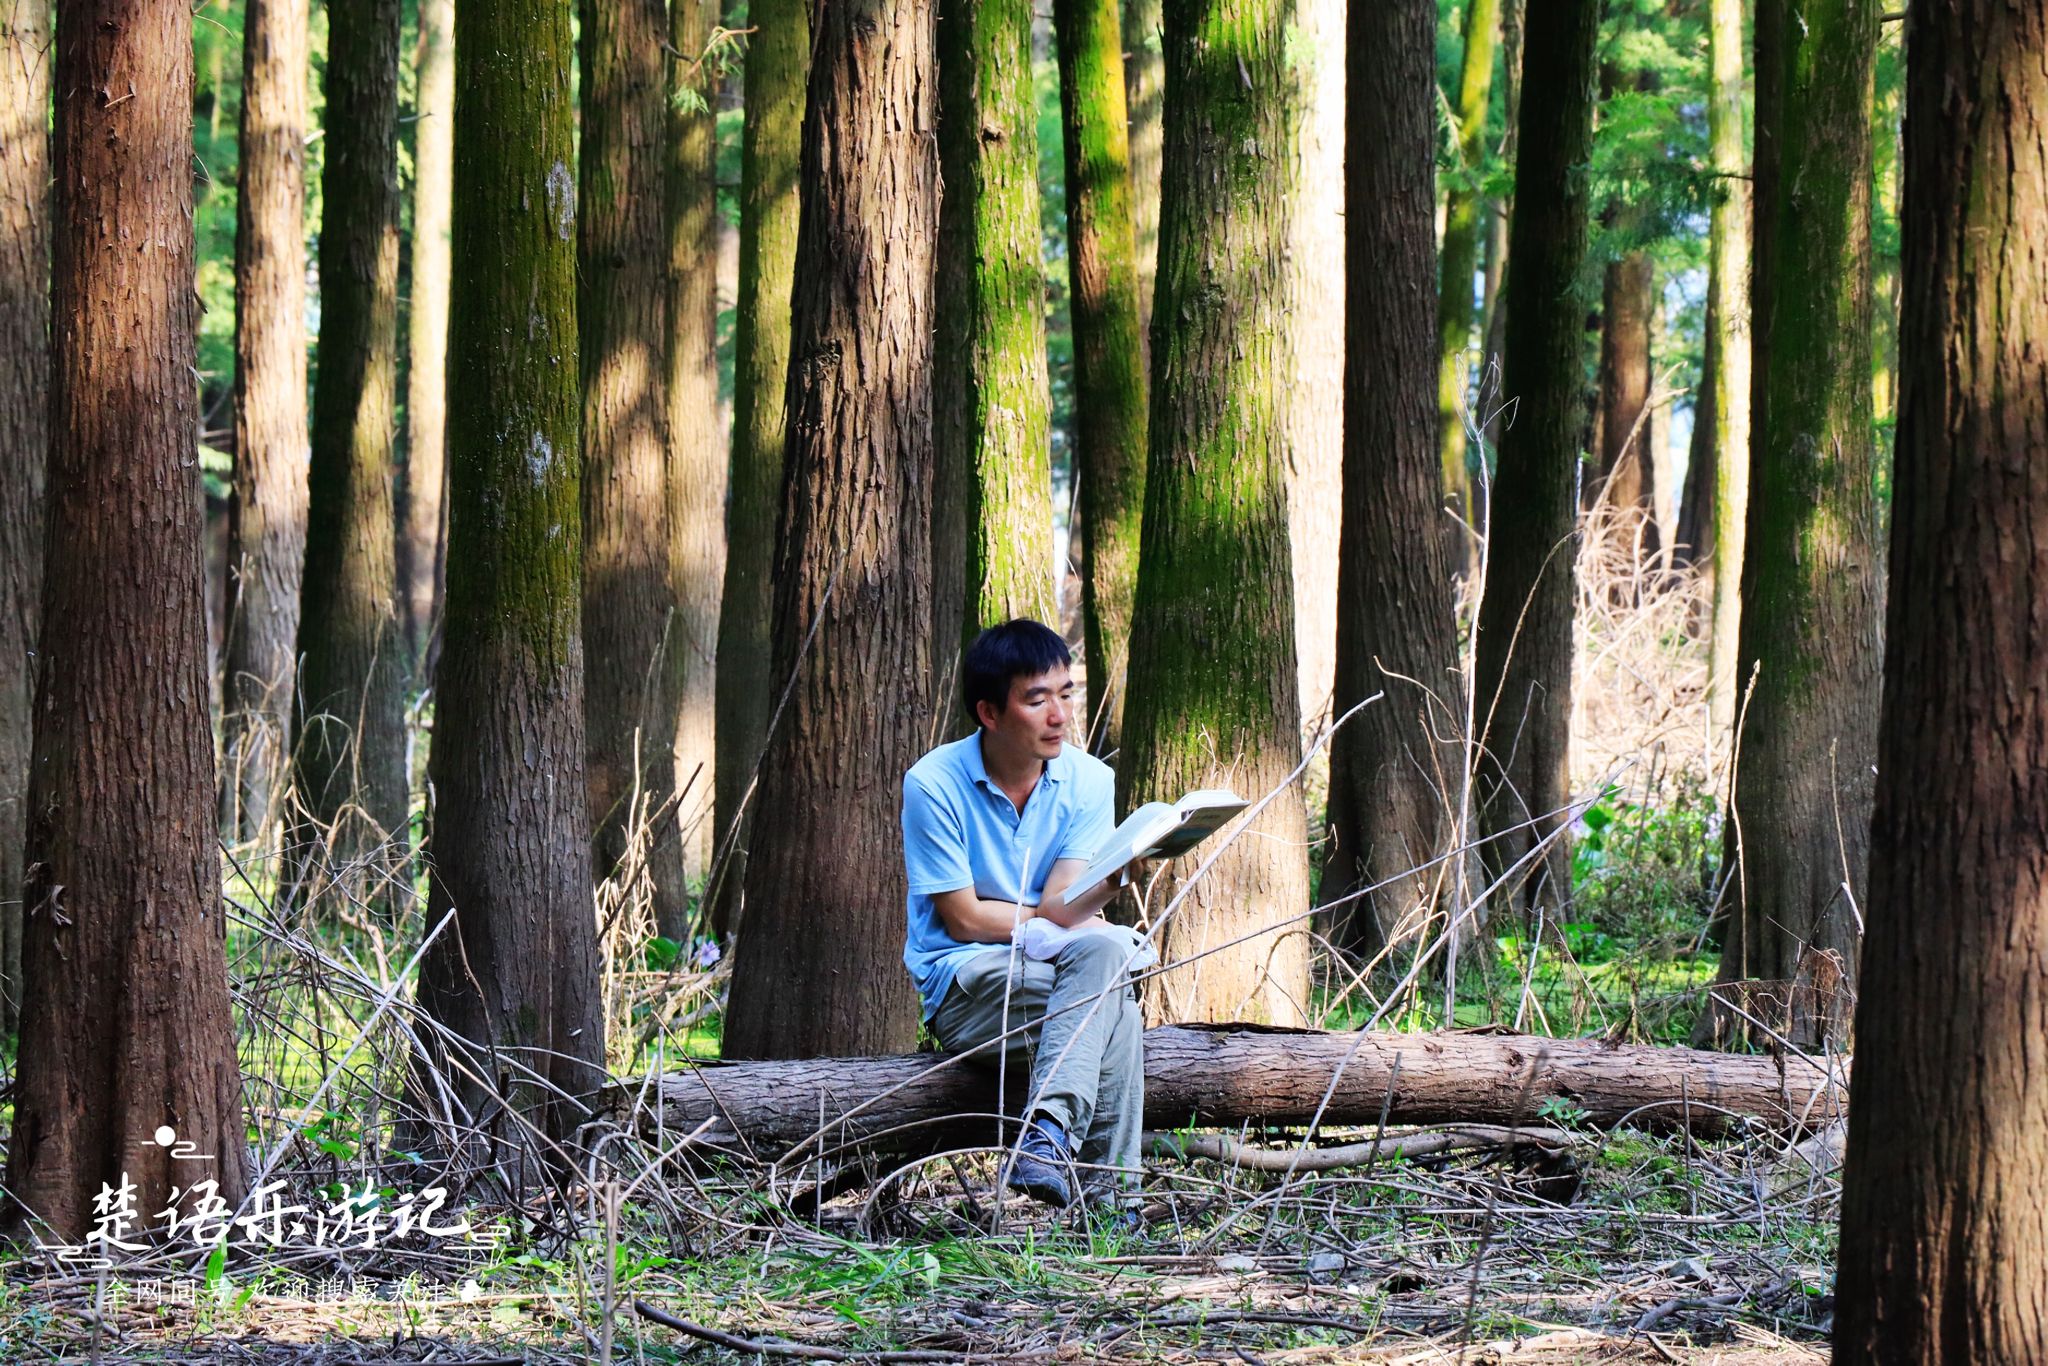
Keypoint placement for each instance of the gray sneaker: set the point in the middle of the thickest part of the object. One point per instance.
(1040, 1165)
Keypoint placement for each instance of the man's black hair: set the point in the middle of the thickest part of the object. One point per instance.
(1002, 654)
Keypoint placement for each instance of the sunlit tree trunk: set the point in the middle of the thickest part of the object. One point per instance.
(24, 440)
(1729, 320)
(1944, 1259)
(517, 970)
(1395, 631)
(1627, 470)
(348, 819)
(622, 319)
(1213, 682)
(1523, 656)
(1813, 571)
(1109, 376)
(423, 541)
(1462, 203)
(129, 1025)
(778, 55)
(1315, 342)
(1145, 98)
(991, 403)
(267, 513)
(819, 969)
(698, 438)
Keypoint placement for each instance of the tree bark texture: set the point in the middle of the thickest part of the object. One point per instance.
(698, 439)
(1395, 629)
(1813, 572)
(1462, 203)
(1729, 320)
(623, 279)
(348, 820)
(267, 511)
(129, 1026)
(1214, 698)
(991, 406)
(1315, 343)
(1494, 331)
(1944, 1251)
(24, 439)
(1228, 1076)
(1627, 469)
(1145, 99)
(1692, 544)
(819, 970)
(1109, 376)
(423, 539)
(778, 55)
(517, 970)
(1523, 656)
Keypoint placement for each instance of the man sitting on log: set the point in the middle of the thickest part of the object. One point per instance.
(995, 826)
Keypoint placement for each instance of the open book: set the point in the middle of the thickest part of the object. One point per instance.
(1159, 830)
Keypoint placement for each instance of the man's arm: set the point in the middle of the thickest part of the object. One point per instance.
(972, 920)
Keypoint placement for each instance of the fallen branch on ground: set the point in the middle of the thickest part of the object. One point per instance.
(1433, 1143)
(1226, 1075)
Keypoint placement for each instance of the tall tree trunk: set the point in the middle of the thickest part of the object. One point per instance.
(622, 305)
(818, 970)
(1729, 318)
(1462, 203)
(778, 55)
(1627, 471)
(511, 845)
(1943, 1258)
(1213, 683)
(348, 729)
(1109, 377)
(1395, 631)
(423, 543)
(1145, 99)
(1315, 343)
(1813, 574)
(697, 449)
(1523, 657)
(129, 1026)
(1693, 543)
(267, 515)
(1494, 303)
(24, 442)
(991, 402)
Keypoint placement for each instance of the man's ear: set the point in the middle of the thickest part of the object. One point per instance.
(986, 713)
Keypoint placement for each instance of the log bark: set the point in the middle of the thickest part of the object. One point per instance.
(1232, 1074)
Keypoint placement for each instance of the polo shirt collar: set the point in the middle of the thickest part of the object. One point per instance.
(977, 768)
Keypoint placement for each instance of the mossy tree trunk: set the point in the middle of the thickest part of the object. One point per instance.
(267, 511)
(991, 406)
(1493, 316)
(423, 540)
(1728, 351)
(1213, 683)
(1460, 257)
(778, 56)
(1943, 1256)
(1523, 655)
(129, 1025)
(348, 734)
(622, 279)
(697, 442)
(1813, 569)
(511, 843)
(1145, 101)
(819, 969)
(1395, 629)
(1109, 376)
(24, 443)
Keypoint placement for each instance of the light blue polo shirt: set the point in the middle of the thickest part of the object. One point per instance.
(960, 830)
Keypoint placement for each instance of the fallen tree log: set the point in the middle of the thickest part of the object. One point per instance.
(1225, 1075)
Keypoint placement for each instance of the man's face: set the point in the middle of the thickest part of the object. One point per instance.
(1035, 721)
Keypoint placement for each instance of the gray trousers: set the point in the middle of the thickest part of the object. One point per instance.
(1088, 1040)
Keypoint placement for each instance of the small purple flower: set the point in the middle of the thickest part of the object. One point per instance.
(706, 954)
